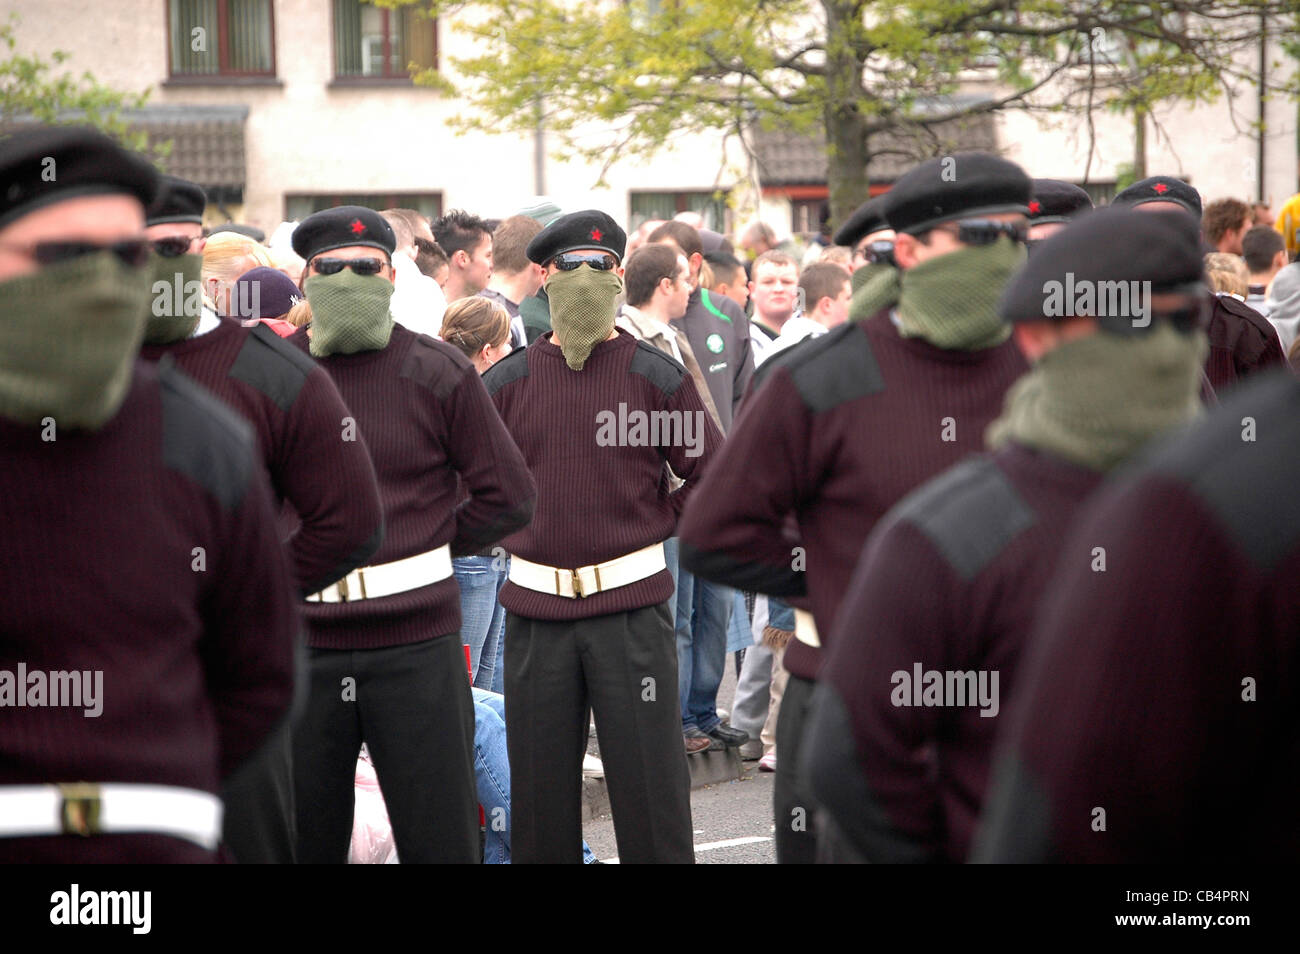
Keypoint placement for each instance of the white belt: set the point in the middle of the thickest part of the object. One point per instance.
(371, 582)
(805, 630)
(85, 808)
(588, 580)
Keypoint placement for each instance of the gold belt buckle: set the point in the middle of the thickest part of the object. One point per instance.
(577, 584)
(81, 809)
(342, 587)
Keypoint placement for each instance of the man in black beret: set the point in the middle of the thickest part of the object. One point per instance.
(1053, 204)
(1242, 341)
(385, 657)
(922, 371)
(925, 660)
(295, 412)
(174, 225)
(867, 232)
(589, 626)
(141, 551)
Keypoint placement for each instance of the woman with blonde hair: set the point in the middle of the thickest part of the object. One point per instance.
(479, 327)
(226, 256)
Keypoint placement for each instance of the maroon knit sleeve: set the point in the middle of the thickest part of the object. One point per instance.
(326, 473)
(732, 529)
(250, 627)
(492, 470)
(689, 462)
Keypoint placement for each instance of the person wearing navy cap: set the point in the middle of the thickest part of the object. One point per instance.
(1242, 341)
(920, 370)
(385, 657)
(953, 577)
(588, 625)
(141, 550)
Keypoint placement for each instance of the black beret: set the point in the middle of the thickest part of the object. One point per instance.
(179, 200)
(1161, 189)
(43, 164)
(963, 186)
(1113, 246)
(250, 231)
(1056, 201)
(589, 228)
(340, 227)
(869, 217)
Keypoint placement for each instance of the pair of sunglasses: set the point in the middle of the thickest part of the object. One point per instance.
(359, 266)
(985, 231)
(173, 246)
(131, 252)
(880, 251)
(600, 261)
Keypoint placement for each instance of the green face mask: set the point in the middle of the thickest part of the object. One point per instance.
(69, 335)
(177, 299)
(951, 300)
(1096, 400)
(349, 313)
(582, 310)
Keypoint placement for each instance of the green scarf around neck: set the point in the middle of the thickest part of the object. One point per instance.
(949, 300)
(1096, 400)
(176, 282)
(349, 313)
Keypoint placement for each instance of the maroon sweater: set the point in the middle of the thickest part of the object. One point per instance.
(1135, 692)
(297, 416)
(843, 426)
(1242, 342)
(448, 473)
(101, 573)
(597, 501)
(951, 579)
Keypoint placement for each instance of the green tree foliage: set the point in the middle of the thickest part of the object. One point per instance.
(29, 87)
(628, 76)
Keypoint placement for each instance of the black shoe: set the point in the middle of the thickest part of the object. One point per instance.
(728, 736)
(694, 737)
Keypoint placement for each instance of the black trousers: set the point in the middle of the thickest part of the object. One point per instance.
(622, 667)
(259, 821)
(796, 838)
(412, 707)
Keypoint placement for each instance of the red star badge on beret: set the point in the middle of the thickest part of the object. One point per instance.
(595, 235)
(1160, 188)
(1035, 207)
(357, 227)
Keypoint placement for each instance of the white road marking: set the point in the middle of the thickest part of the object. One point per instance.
(713, 845)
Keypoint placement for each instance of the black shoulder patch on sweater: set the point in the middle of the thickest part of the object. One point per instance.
(1242, 462)
(969, 513)
(661, 370)
(434, 365)
(510, 368)
(204, 439)
(834, 368)
(268, 364)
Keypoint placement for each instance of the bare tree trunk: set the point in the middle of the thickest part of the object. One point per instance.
(846, 140)
(1139, 145)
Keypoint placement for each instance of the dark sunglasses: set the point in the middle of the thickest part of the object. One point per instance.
(880, 251)
(985, 231)
(359, 266)
(600, 261)
(173, 246)
(131, 252)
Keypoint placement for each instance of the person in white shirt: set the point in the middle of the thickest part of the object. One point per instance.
(772, 291)
(417, 303)
(825, 292)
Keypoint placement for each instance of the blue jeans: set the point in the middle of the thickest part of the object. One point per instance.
(482, 618)
(703, 615)
(492, 776)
